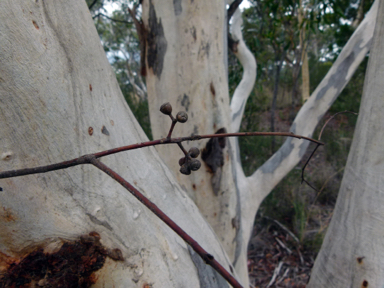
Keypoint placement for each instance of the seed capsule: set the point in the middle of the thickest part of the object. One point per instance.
(194, 152)
(166, 108)
(195, 165)
(185, 169)
(181, 161)
(182, 117)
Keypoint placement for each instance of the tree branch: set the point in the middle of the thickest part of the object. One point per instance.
(93, 3)
(112, 19)
(232, 8)
(248, 61)
(84, 159)
(317, 146)
(269, 174)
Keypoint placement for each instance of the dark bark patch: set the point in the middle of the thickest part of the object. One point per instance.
(213, 157)
(177, 7)
(212, 154)
(360, 260)
(73, 265)
(156, 42)
(212, 88)
(104, 131)
(204, 49)
(185, 101)
(337, 79)
(238, 112)
(193, 33)
(7, 215)
(35, 24)
(90, 87)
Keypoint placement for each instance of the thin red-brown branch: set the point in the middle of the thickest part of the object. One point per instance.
(208, 258)
(317, 146)
(174, 121)
(44, 169)
(305, 165)
(333, 116)
(80, 160)
(199, 137)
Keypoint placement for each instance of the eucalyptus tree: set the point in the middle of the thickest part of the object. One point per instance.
(60, 100)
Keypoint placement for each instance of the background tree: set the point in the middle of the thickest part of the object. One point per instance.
(348, 257)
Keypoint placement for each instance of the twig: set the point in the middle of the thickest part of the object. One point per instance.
(92, 4)
(282, 277)
(284, 228)
(303, 169)
(326, 123)
(283, 245)
(112, 19)
(208, 258)
(300, 256)
(80, 160)
(232, 8)
(275, 273)
(313, 152)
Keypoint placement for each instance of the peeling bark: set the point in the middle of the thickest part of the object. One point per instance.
(156, 42)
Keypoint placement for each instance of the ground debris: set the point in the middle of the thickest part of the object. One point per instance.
(275, 260)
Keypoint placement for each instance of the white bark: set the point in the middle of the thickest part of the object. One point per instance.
(55, 83)
(352, 252)
(248, 61)
(193, 79)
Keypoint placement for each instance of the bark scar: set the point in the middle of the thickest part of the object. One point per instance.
(156, 42)
(213, 156)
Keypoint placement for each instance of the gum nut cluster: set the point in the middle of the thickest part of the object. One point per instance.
(187, 164)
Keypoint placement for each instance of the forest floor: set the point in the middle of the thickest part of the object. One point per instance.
(276, 257)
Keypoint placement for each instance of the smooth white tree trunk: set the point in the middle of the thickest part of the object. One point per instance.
(352, 252)
(189, 71)
(59, 99)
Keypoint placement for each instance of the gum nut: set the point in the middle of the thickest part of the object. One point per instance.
(194, 152)
(181, 161)
(182, 117)
(166, 108)
(195, 165)
(185, 169)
